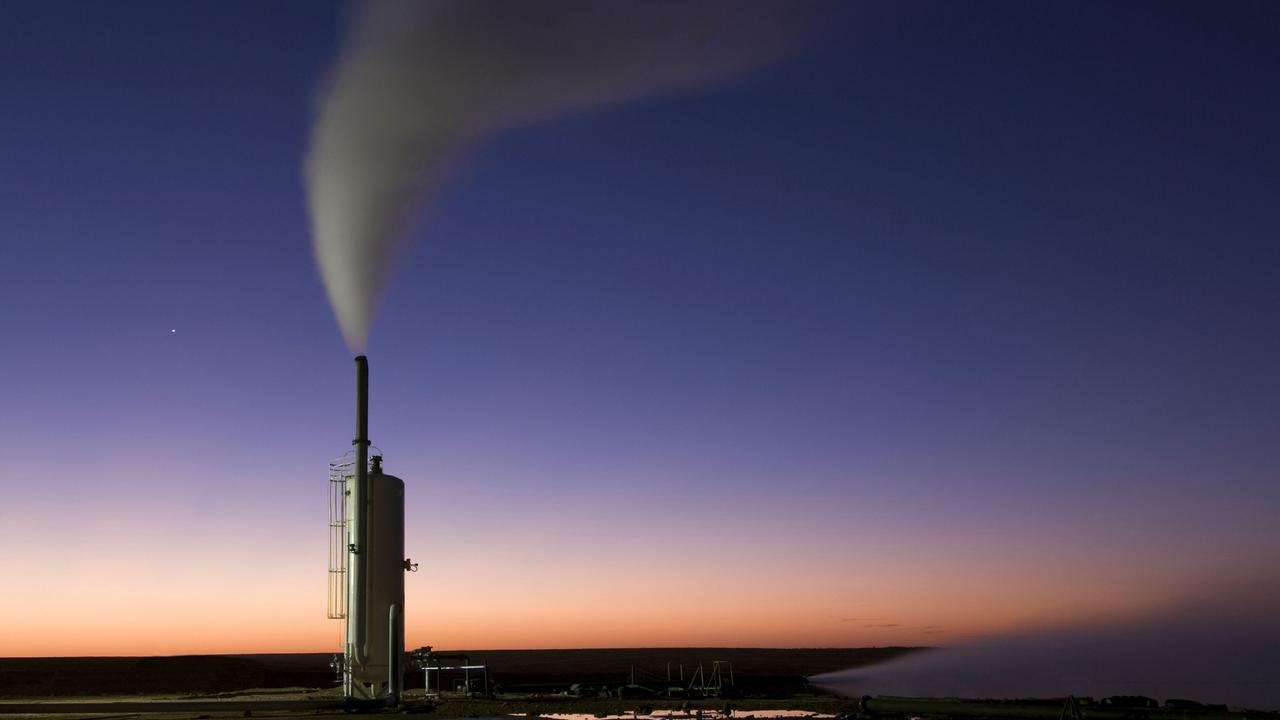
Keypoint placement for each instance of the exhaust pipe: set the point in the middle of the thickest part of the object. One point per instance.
(357, 642)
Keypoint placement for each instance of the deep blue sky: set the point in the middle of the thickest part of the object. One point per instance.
(1006, 272)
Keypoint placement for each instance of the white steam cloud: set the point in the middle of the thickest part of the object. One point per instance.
(421, 82)
(1221, 646)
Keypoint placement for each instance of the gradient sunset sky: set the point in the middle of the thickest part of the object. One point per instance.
(962, 319)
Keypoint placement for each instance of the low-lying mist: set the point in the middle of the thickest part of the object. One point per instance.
(1219, 645)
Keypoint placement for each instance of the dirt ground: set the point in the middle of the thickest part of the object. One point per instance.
(770, 673)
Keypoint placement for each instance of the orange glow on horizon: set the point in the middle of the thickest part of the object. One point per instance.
(194, 577)
(176, 599)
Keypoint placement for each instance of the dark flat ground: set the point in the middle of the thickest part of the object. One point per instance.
(301, 687)
(759, 672)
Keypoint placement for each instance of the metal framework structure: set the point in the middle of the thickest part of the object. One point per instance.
(721, 677)
(340, 472)
(427, 660)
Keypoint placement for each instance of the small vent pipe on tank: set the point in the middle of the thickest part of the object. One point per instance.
(395, 653)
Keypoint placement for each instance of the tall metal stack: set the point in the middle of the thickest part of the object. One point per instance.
(367, 575)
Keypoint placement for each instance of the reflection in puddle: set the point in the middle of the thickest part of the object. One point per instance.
(691, 715)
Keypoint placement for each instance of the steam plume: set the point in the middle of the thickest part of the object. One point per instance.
(419, 83)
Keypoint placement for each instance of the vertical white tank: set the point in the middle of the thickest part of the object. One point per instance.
(369, 668)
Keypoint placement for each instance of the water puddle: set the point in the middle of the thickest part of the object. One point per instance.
(690, 715)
